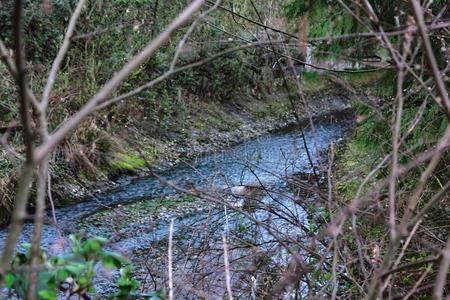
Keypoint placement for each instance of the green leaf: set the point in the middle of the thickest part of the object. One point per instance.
(101, 240)
(10, 279)
(126, 272)
(84, 281)
(75, 242)
(75, 269)
(26, 245)
(111, 261)
(62, 274)
(47, 295)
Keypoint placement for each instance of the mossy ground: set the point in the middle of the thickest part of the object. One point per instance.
(352, 167)
(112, 222)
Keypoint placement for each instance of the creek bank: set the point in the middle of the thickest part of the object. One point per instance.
(214, 127)
(150, 205)
(255, 118)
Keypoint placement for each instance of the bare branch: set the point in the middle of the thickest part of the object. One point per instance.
(227, 268)
(419, 16)
(27, 172)
(4, 55)
(61, 133)
(38, 221)
(441, 278)
(61, 54)
(170, 260)
(189, 32)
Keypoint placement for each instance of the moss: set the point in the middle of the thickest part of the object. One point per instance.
(353, 163)
(313, 82)
(199, 124)
(127, 162)
(216, 117)
(312, 78)
(361, 78)
(373, 135)
(279, 109)
(259, 112)
(229, 125)
(374, 231)
(150, 152)
(135, 213)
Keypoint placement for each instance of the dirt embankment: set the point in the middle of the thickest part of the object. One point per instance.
(213, 126)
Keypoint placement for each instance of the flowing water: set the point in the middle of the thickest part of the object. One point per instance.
(267, 161)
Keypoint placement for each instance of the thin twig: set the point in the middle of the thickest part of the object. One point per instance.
(227, 268)
(189, 32)
(441, 278)
(60, 56)
(170, 260)
(66, 128)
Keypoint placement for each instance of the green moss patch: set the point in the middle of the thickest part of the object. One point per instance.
(119, 219)
(127, 162)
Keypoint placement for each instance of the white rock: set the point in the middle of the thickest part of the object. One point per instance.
(239, 190)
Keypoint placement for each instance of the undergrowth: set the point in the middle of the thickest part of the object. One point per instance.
(371, 142)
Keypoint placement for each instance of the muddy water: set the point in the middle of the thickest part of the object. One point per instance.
(252, 229)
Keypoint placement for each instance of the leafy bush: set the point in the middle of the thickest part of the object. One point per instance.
(71, 273)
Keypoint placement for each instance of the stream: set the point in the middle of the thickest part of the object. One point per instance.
(267, 161)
